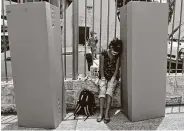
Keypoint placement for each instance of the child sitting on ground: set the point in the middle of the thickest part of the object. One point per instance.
(108, 76)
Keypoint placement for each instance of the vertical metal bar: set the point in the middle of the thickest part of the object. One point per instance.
(64, 7)
(108, 23)
(75, 39)
(93, 24)
(172, 37)
(10, 1)
(183, 66)
(160, 1)
(85, 38)
(179, 36)
(100, 34)
(115, 18)
(4, 42)
(100, 26)
(73, 57)
(93, 14)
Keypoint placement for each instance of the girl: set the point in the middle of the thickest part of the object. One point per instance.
(109, 76)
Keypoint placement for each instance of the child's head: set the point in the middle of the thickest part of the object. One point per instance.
(92, 33)
(115, 46)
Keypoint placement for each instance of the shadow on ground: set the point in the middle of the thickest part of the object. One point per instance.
(120, 122)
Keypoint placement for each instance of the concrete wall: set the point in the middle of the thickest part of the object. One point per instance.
(174, 91)
(144, 36)
(36, 63)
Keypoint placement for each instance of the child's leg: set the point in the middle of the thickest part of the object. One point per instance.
(102, 101)
(109, 94)
(108, 102)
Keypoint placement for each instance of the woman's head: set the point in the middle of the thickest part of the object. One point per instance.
(115, 46)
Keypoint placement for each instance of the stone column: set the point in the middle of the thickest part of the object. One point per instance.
(144, 35)
(35, 35)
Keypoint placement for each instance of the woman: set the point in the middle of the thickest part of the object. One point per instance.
(108, 77)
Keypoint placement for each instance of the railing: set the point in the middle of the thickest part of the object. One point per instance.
(175, 63)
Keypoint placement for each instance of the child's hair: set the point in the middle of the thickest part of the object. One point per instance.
(92, 33)
(116, 44)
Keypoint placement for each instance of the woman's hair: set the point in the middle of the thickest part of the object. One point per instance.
(116, 44)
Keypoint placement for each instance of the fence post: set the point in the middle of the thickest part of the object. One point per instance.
(116, 6)
(172, 36)
(100, 26)
(179, 37)
(4, 41)
(85, 38)
(64, 27)
(108, 22)
(75, 39)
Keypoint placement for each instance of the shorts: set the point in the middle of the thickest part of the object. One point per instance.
(107, 89)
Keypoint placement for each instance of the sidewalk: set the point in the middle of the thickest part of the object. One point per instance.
(173, 120)
(69, 50)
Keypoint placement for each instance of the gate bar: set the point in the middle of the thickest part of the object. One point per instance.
(183, 66)
(93, 24)
(4, 41)
(108, 23)
(75, 39)
(93, 14)
(85, 39)
(179, 36)
(116, 4)
(100, 25)
(172, 36)
(64, 11)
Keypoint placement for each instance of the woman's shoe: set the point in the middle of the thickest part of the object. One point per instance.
(106, 120)
(99, 119)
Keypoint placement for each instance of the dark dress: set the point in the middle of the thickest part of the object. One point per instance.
(109, 66)
(89, 59)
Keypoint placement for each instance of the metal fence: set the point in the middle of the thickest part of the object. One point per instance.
(175, 57)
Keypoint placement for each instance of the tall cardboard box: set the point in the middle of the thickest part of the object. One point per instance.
(35, 47)
(143, 30)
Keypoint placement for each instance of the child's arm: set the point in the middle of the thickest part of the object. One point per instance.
(101, 66)
(117, 69)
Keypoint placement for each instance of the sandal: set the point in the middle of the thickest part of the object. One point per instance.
(106, 120)
(99, 119)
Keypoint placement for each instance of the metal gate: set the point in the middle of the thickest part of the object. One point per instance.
(83, 13)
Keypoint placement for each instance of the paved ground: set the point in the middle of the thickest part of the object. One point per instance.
(173, 120)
